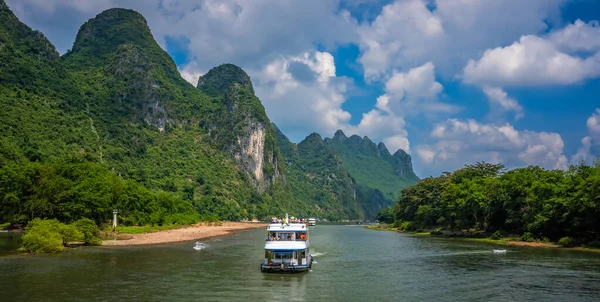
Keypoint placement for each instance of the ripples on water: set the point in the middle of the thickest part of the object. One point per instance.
(354, 264)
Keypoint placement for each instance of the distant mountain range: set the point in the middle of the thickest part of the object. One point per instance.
(117, 102)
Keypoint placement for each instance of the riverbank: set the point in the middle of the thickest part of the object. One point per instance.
(502, 241)
(191, 233)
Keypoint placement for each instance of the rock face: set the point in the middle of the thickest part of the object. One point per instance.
(242, 128)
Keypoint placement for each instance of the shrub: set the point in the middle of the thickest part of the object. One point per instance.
(437, 233)
(48, 236)
(406, 226)
(497, 235)
(527, 237)
(89, 229)
(567, 241)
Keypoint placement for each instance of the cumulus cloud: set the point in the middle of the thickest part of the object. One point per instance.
(499, 100)
(457, 142)
(413, 92)
(302, 93)
(406, 94)
(579, 36)
(404, 28)
(590, 144)
(408, 33)
(530, 61)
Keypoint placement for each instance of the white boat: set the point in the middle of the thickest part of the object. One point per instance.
(287, 248)
(499, 251)
(312, 221)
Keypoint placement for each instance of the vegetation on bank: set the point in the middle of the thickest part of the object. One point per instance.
(532, 204)
(51, 235)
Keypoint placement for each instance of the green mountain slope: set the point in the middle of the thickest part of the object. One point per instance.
(116, 103)
(372, 165)
(112, 124)
(316, 177)
(352, 175)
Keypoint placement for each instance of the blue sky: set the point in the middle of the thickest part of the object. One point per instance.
(451, 82)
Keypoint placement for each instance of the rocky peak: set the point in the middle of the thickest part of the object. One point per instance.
(104, 33)
(241, 127)
(314, 139)
(339, 135)
(219, 79)
(383, 150)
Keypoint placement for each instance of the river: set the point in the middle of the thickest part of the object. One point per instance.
(352, 264)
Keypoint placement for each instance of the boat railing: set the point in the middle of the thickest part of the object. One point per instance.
(284, 239)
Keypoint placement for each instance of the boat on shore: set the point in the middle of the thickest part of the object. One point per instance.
(287, 247)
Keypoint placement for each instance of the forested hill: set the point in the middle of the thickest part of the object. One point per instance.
(372, 165)
(531, 202)
(350, 173)
(112, 124)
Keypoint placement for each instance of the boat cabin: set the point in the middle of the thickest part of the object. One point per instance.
(286, 248)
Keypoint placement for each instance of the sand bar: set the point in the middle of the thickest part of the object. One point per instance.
(195, 232)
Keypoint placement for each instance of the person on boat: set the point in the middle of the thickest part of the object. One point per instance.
(278, 238)
(303, 236)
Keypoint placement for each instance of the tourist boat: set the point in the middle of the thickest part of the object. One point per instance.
(312, 221)
(287, 247)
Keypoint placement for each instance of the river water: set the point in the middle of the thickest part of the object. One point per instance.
(351, 264)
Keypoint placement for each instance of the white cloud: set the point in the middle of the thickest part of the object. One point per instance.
(499, 99)
(191, 73)
(386, 40)
(408, 33)
(457, 142)
(579, 36)
(303, 93)
(590, 144)
(593, 124)
(530, 61)
(413, 92)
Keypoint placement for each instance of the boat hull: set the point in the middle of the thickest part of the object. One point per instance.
(278, 268)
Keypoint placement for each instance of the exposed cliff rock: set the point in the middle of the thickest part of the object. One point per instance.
(242, 128)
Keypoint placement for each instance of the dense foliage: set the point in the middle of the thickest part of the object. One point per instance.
(317, 173)
(372, 166)
(112, 124)
(49, 236)
(532, 202)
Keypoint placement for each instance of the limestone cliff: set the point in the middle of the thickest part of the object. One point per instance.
(242, 128)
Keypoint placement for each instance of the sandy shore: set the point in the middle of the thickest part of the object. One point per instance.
(195, 232)
(535, 244)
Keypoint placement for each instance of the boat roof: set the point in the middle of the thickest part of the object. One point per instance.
(286, 245)
(292, 227)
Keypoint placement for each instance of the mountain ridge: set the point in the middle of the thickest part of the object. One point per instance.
(115, 106)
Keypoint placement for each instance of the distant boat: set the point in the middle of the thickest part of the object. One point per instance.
(312, 221)
(199, 245)
(286, 248)
(499, 251)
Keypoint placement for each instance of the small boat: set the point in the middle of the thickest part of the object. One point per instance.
(499, 251)
(199, 245)
(287, 248)
(312, 221)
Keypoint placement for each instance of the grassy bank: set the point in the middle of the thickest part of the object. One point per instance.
(510, 241)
